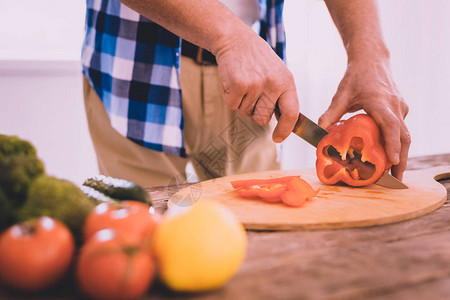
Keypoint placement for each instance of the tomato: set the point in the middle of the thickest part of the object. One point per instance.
(35, 254)
(112, 265)
(134, 218)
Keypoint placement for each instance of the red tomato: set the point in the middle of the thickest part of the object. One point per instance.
(112, 266)
(35, 254)
(134, 218)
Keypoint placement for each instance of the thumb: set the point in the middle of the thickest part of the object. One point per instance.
(335, 111)
(287, 114)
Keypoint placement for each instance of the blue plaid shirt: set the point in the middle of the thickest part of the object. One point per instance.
(133, 64)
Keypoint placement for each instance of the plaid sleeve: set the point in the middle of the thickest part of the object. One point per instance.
(133, 65)
(271, 25)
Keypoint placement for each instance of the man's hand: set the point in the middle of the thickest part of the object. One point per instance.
(368, 83)
(369, 86)
(254, 79)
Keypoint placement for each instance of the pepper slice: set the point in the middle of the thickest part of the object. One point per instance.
(265, 191)
(298, 191)
(252, 182)
(271, 191)
(349, 145)
(292, 190)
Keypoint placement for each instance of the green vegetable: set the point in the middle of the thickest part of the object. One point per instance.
(59, 199)
(7, 212)
(95, 196)
(16, 174)
(12, 145)
(19, 166)
(119, 189)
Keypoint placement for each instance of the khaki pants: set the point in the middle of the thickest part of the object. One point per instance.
(218, 141)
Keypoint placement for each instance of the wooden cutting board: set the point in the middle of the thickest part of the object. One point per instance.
(333, 207)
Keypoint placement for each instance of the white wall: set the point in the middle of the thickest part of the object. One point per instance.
(41, 30)
(40, 82)
(46, 108)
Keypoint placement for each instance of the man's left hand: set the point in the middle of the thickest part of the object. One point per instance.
(368, 85)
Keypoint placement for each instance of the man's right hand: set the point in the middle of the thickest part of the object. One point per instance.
(255, 79)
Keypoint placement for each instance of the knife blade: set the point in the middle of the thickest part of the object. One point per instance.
(313, 133)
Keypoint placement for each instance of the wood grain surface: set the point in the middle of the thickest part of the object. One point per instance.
(400, 261)
(334, 206)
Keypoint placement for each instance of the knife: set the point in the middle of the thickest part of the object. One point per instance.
(313, 133)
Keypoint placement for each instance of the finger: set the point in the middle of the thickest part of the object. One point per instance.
(405, 108)
(390, 128)
(335, 111)
(397, 171)
(248, 103)
(289, 108)
(263, 110)
(233, 96)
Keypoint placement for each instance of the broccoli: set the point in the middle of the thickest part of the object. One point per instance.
(12, 145)
(16, 174)
(7, 212)
(59, 199)
(19, 165)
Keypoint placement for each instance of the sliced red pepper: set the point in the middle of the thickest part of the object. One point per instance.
(266, 190)
(272, 200)
(292, 198)
(292, 190)
(271, 191)
(359, 134)
(298, 192)
(248, 192)
(252, 182)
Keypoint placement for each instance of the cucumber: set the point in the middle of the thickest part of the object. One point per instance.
(95, 196)
(118, 189)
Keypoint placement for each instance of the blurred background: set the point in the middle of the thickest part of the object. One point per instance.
(41, 92)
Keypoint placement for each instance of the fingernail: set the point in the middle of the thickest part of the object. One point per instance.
(278, 140)
(396, 159)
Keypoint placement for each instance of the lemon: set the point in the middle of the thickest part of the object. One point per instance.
(200, 249)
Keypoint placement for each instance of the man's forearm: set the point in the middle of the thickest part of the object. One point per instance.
(359, 26)
(368, 83)
(206, 23)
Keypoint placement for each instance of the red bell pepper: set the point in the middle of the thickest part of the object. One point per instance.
(251, 182)
(298, 192)
(359, 134)
(266, 190)
(292, 190)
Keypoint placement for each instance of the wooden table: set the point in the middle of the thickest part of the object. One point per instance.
(406, 260)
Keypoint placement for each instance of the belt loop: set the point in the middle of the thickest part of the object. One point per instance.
(199, 58)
